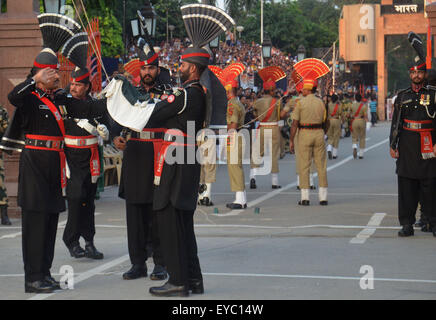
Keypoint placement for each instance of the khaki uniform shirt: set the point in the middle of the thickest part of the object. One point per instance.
(332, 106)
(262, 105)
(355, 107)
(235, 112)
(309, 110)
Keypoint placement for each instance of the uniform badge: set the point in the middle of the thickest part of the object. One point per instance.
(164, 97)
(171, 98)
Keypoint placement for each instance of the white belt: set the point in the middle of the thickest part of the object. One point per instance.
(275, 123)
(80, 142)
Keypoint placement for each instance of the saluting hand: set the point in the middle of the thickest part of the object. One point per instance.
(120, 143)
(48, 77)
(395, 154)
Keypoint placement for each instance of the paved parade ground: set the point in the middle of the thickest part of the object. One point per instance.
(347, 250)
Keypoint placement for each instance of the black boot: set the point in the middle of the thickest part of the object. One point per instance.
(40, 286)
(4, 215)
(76, 251)
(159, 273)
(92, 252)
(406, 231)
(135, 272)
(169, 290)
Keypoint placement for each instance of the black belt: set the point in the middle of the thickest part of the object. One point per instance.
(52, 144)
(310, 126)
(417, 126)
(147, 135)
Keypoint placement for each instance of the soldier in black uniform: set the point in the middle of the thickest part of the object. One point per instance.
(137, 175)
(413, 139)
(81, 150)
(42, 179)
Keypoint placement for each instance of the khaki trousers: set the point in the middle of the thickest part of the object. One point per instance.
(334, 132)
(234, 165)
(359, 132)
(311, 146)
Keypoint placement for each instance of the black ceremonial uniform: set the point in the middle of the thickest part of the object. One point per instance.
(136, 187)
(39, 182)
(175, 198)
(81, 188)
(416, 175)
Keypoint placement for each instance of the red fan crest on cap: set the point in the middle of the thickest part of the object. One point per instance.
(272, 73)
(311, 68)
(217, 71)
(231, 72)
(133, 67)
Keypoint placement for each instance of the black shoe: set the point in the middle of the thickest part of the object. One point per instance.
(360, 157)
(420, 223)
(253, 184)
(304, 203)
(426, 227)
(236, 206)
(40, 286)
(92, 252)
(276, 186)
(330, 155)
(135, 272)
(159, 273)
(169, 290)
(55, 284)
(77, 252)
(298, 187)
(354, 153)
(406, 231)
(196, 286)
(206, 202)
(312, 188)
(4, 216)
(335, 157)
(324, 203)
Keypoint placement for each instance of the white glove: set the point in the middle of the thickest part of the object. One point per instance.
(84, 124)
(103, 131)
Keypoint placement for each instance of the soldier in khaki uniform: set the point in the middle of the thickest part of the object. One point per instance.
(334, 133)
(346, 106)
(359, 116)
(4, 122)
(309, 118)
(235, 120)
(267, 109)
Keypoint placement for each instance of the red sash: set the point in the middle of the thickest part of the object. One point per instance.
(61, 125)
(335, 110)
(160, 158)
(157, 146)
(426, 139)
(270, 110)
(355, 116)
(94, 162)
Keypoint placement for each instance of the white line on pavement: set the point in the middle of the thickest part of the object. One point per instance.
(294, 184)
(297, 276)
(86, 275)
(373, 223)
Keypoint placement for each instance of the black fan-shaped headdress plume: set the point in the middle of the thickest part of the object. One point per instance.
(56, 29)
(76, 49)
(419, 62)
(204, 23)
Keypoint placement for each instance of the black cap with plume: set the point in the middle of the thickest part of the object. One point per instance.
(419, 62)
(76, 50)
(203, 23)
(56, 30)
